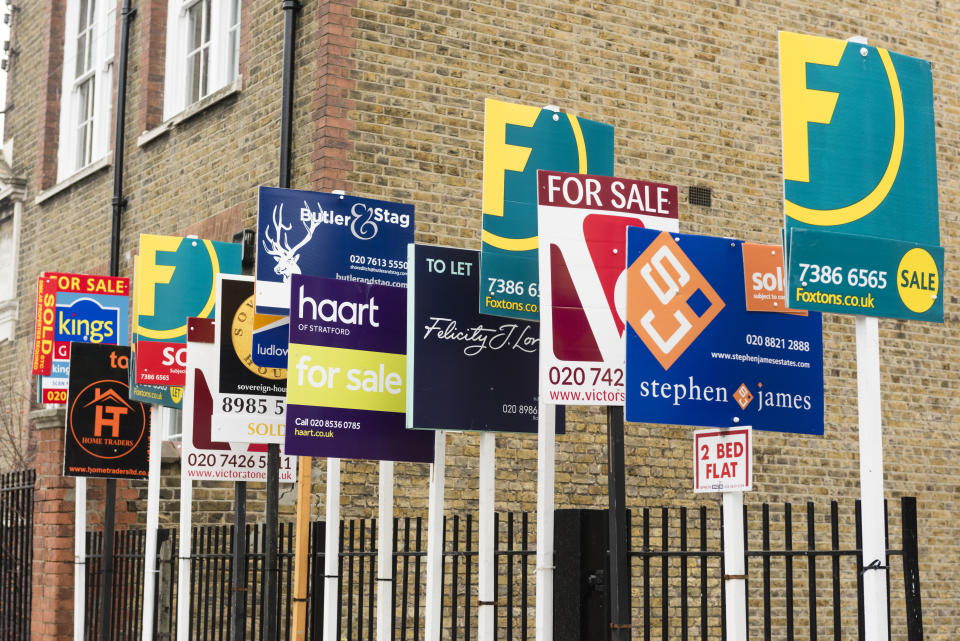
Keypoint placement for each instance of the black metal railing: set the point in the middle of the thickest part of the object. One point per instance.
(16, 553)
(804, 577)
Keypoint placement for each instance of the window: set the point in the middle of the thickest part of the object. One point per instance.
(85, 104)
(9, 233)
(203, 44)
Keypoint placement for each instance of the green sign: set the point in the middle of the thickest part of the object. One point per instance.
(862, 275)
(859, 158)
(519, 140)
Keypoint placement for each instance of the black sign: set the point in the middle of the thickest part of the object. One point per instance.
(107, 434)
(238, 373)
(470, 371)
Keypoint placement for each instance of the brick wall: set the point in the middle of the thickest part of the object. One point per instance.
(389, 104)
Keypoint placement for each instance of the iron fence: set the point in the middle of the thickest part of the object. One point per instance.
(16, 553)
(797, 586)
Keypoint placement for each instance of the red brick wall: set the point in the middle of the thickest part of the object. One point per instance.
(335, 24)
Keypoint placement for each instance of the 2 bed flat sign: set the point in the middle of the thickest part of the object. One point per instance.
(346, 395)
(107, 435)
(469, 371)
(249, 400)
(859, 159)
(75, 308)
(517, 141)
(327, 235)
(583, 223)
(176, 279)
(204, 458)
(723, 460)
(696, 356)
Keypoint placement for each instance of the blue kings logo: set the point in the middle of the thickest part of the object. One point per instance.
(85, 321)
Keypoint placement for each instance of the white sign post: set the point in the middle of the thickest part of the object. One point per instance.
(723, 462)
(434, 615)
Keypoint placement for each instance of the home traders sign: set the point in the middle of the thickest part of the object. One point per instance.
(107, 434)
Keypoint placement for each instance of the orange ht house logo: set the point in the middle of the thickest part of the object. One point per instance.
(661, 282)
(104, 423)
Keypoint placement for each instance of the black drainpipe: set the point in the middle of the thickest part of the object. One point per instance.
(119, 203)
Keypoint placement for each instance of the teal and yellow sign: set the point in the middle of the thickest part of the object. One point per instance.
(519, 140)
(859, 158)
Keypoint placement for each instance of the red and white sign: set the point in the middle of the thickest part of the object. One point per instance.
(723, 460)
(205, 459)
(583, 222)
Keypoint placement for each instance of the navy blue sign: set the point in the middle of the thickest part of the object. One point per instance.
(346, 389)
(466, 370)
(695, 356)
(327, 235)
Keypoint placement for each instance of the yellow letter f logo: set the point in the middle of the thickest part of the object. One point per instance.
(799, 104)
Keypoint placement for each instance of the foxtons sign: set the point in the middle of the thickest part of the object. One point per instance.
(176, 279)
(517, 141)
(860, 175)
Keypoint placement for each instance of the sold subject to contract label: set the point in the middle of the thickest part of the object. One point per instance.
(850, 274)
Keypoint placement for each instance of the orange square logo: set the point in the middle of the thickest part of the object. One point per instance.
(743, 396)
(763, 278)
(660, 286)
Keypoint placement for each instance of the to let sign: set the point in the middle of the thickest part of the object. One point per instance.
(723, 460)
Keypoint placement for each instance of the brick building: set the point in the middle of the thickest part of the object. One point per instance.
(389, 104)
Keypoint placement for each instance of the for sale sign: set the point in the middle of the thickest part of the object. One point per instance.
(346, 396)
(327, 235)
(583, 248)
(723, 460)
(206, 459)
(176, 279)
(517, 141)
(696, 356)
(75, 308)
(249, 401)
(107, 435)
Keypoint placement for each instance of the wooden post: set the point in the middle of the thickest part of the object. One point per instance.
(298, 630)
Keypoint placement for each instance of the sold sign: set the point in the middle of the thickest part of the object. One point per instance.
(723, 460)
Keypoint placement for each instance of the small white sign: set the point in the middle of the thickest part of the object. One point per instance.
(723, 460)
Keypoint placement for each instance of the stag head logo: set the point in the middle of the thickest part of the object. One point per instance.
(287, 257)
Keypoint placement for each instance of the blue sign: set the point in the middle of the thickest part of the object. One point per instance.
(465, 370)
(91, 318)
(326, 235)
(696, 356)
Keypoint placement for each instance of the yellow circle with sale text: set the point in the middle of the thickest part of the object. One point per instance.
(918, 280)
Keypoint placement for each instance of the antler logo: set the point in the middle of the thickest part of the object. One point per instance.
(287, 257)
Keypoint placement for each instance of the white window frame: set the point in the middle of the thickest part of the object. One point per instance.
(101, 38)
(221, 69)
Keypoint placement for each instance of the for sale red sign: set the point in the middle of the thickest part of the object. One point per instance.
(723, 460)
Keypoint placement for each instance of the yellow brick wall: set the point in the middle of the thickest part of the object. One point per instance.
(692, 90)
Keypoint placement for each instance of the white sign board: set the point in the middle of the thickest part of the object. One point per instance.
(204, 458)
(249, 399)
(582, 252)
(723, 460)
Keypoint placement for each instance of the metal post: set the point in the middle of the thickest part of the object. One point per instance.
(238, 621)
(273, 450)
(734, 579)
(619, 563)
(546, 426)
(487, 598)
(118, 203)
(270, 544)
(871, 480)
(106, 564)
